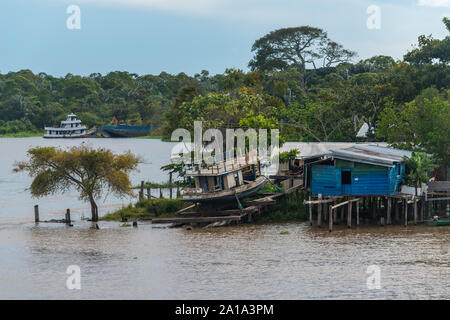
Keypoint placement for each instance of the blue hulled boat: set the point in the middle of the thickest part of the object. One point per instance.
(126, 131)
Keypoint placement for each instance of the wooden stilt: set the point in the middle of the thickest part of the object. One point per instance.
(319, 212)
(357, 213)
(389, 209)
(325, 212)
(373, 203)
(310, 213)
(397, 211)
(416, 218)
(335, 216)
(149, 193)
(330, 220)
(406, 211)
(349, 215)
(160, 193)
(422, 210)
(430, 209)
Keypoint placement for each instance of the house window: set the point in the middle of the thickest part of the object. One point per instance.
(346, 177)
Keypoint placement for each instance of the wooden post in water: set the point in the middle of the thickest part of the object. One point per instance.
(430, 209)
(349, 214)
(319, 212)
(160, 193)
(374, 207)
(325, 212)
(36, 213)
(389, 209)
(357, 213)
(68, 216)
(422, 209)
(330, 219)
(141, 192)
(406, 212)
(335, 215)
(415, 212)
(310, 212)
(397, 211)
(170, 184)
(149, 194)
(342, 214)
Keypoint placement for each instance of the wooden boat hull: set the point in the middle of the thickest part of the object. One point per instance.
(67, 136)
(126, 131)
(439, 222)
(227, 195)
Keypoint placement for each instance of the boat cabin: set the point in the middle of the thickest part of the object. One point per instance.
(237, 177)
(69, 128)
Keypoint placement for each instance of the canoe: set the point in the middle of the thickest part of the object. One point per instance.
(439, 222)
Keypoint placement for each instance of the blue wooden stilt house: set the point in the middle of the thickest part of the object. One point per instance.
(356, 171)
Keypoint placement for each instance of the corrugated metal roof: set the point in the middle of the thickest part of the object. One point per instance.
(310, 149)
(374, 154)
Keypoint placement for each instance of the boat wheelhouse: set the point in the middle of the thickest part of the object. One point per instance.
(229, 180)
(69, 128)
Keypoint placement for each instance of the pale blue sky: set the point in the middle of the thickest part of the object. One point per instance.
(151, 36)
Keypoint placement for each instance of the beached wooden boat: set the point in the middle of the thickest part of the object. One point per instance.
(439, 222)
(124, 130)
(228, 181)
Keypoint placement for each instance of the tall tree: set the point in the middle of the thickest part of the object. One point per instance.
(297, 48)
(431, 50)
(422, 124)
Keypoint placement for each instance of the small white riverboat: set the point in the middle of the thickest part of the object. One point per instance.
(69, 128)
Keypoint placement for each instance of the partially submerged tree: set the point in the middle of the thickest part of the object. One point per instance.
(90, 171)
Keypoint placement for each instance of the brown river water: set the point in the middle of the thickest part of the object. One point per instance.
(239, 262)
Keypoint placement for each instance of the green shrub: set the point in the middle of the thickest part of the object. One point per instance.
(287, 209)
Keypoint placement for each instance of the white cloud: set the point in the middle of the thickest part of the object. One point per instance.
(434, 3)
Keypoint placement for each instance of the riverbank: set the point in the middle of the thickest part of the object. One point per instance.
(29, 134)
(24, 134)
(147, 209)
(287, 209)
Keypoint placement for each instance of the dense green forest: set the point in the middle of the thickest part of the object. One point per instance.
(300, 81)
